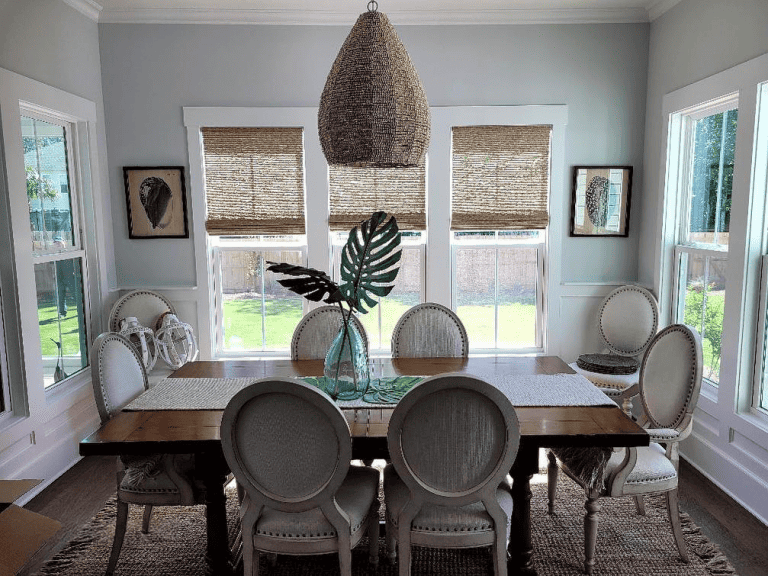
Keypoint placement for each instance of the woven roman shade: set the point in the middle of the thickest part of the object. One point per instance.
(254, 181)
(500, 177)
(355, 193)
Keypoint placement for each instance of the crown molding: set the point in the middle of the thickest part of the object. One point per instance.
(333, 18)
(87, 7)
(658, 8)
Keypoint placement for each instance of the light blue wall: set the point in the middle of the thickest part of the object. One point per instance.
(150, 71)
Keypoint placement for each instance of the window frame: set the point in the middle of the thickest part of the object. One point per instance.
(77, 251)
(28, 396)
(733, 400)
(540, 244)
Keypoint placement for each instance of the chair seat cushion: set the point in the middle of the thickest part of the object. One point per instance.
(434, 518)
(608, 382)
(652, 471)
(355, 496)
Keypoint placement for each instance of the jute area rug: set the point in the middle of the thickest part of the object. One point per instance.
(627, 544)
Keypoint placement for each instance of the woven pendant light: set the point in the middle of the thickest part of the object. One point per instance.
(373, 111)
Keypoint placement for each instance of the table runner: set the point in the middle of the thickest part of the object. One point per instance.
(522, 390)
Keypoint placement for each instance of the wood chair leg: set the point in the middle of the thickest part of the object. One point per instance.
(391, 540)
(640, 505)
(590, 532)
(250, 558)
(404, 550)
(674, 518)
(121, 523)
(373, 533)
(552, 473)
(145, 520)
(499, 550)
(345, 560)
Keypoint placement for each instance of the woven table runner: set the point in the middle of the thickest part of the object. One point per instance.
(522, 390)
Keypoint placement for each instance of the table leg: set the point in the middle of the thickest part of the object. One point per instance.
(217, 556)
(520, 547)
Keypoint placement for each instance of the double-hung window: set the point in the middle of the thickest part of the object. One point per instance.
(254, 188)
(354, 194)
(57, 248)
(499, 213)
(707, 140)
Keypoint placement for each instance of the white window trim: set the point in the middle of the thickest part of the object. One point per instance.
(28, 395)
(540, 245)
(747, 242)
(438, 242)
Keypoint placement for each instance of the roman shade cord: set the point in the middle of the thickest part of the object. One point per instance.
(373, 110)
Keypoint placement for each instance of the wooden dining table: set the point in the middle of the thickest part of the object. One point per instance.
(197, 431)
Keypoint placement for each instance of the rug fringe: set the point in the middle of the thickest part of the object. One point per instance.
(716, 562)
(73, 550)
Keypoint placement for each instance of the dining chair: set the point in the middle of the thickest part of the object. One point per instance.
(118, 376)
(315, 332)
(452, 440)
(314, 504)
(669, 386)
(430, 330)
(627, 321)
(144, 305)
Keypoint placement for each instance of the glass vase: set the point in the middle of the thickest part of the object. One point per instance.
(346, 364)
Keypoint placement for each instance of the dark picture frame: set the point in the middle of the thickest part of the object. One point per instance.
(600, 200)
(156, 197)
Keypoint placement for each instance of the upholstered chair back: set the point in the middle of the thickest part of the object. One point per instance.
(670, 377)
(430, 330)
(117, 373)
(628, 320)
(452, 437)
(287, 444)
(315, 332)
(144, 305)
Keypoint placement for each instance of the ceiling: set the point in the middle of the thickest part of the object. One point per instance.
(344, 12)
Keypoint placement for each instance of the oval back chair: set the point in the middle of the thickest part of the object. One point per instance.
(628, 319)
(430, 330)
(312, 502)
(452, 440)
(669, 387)
(118, 376)
(315, 332)
(144, 305)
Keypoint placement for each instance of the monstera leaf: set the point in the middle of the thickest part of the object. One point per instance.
(368, 261)
(308, 282)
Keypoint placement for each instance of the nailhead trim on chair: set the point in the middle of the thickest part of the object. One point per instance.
(654, 308)
(304, 322)
(104, 394)
(691, 382)
(481, 528)
(114, 315)
(331, 534)
(431, 306)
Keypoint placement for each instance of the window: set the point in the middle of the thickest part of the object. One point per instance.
(254, 187)
(379, 322)
(499, 198)
(760, 183)
(525, 234)
(354, 194)
(499, 307)
(708, 144)
(59, 258)
(5, 393)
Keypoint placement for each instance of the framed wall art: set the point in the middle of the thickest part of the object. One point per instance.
(157, 202)
(600, 200)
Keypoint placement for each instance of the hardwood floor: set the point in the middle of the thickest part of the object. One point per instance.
(79, 494)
